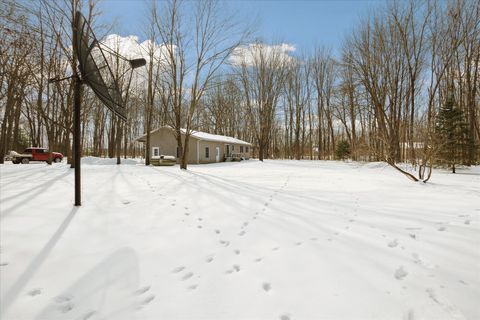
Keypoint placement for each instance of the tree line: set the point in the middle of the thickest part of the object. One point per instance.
(403, 87)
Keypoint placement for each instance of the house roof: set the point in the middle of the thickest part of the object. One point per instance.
(202, 136)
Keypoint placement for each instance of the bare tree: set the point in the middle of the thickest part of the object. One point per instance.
(262, 73)
(197, 51)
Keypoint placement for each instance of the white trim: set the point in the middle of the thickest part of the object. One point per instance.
(198, 151)
(201, 136)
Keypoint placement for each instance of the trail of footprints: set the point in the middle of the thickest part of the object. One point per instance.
(400, 273)
(65, 303)
(187, 275)
(145, 297)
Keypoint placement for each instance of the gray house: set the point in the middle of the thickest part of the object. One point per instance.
(202, 147)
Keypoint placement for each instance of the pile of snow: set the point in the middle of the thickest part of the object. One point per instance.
(248, 240)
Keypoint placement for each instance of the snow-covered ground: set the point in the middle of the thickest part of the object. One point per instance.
(250, 240)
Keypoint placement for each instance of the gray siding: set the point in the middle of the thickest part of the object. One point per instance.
(164, 139)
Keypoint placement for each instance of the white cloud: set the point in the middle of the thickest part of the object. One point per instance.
(130, 48)
(254, 51)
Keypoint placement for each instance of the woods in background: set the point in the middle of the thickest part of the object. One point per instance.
(403, 88)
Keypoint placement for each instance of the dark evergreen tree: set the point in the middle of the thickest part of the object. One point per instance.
(343, 149)
(451, 132)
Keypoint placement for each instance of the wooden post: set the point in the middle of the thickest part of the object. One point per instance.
(76, 138)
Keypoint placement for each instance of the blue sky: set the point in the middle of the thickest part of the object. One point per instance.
(304, 24)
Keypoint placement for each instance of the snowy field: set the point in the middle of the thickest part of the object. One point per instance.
(250, 240)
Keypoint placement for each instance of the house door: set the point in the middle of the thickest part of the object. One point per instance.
(217, 154)
(228, 150)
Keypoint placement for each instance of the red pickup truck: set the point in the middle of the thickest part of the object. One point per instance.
(35, 154)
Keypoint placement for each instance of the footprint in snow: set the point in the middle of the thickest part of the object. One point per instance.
(285, 317)
(422, 262)
(178, 269)
(224, 243)
(400, 273)
(125, 202)
(61, 299)
(217, 231)
(393, 243)
(3, 264)
(147, 300)
(275, 249)
(241, 233)
(441, 229)
(192, 287)
(199, 227)
(467, 222)
(35, 292)
(266, 287)
(187, 276)
(142, 290)
(298, 244)
(66, 307)
(258, 259)
(235, 268)
(236, 251)
(209, 259)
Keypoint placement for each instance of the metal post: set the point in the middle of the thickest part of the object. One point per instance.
(76, 138)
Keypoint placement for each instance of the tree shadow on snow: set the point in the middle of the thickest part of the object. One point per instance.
(32, 268)
(107, 291)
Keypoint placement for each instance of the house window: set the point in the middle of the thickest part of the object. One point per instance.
(246, 149)
(233, 148)
(241, 149)
(156, 152)
(207, 152)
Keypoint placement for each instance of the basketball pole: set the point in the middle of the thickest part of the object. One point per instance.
(76, 138)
